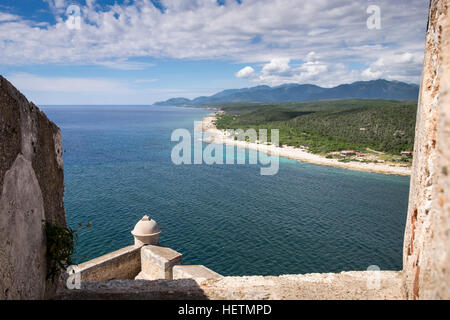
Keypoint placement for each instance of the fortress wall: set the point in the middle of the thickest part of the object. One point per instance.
(118, 265)
(31, 190)
(426, 248)
(434, 282)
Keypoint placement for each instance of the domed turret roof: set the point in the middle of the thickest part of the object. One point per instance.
(146, 227)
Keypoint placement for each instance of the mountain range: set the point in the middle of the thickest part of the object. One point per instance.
(375, 89)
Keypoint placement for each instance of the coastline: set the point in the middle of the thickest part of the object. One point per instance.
(293, 153)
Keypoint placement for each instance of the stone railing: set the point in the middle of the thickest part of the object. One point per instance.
(118, 265)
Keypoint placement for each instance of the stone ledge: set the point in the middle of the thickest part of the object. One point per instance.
(198, 273)
(346, 285)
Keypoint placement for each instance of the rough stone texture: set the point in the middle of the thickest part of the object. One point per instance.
(426, 249)
(10, 132)
(119, 265)
(22, 250)
(198, 273)
(32, 189)
(157, 262)
(436, 278)
(348, 285)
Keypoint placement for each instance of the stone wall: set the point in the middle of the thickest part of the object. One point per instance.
(426, 256)
(31, 190)
(118, 265)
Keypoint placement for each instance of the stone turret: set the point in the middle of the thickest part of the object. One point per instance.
(146, 232)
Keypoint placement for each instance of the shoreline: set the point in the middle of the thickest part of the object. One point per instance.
(293, 153)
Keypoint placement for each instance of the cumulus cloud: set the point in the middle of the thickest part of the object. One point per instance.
(278, 67)
(245, 73)
(279, 71)
(335, 30)
(402, 66)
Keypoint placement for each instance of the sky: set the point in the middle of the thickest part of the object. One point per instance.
(143, 51)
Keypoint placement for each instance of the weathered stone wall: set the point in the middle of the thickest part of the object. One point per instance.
(426, 251)
(31, 190)
(122, 264)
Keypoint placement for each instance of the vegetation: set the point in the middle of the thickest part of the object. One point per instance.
(332, 125)
(60, 247)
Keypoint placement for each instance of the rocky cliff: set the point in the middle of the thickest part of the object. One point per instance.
(31, 190)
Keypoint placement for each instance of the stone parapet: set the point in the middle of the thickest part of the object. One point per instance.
(118, 265)
(157, 262)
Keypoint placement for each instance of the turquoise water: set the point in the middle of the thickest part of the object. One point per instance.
(307, 218)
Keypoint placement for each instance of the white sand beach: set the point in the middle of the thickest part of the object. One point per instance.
(220, 137)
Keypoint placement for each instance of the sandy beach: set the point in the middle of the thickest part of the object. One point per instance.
(220, 137)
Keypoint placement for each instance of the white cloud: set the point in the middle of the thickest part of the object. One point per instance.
(123, 64)
(372, 75)
(278, 67)
(335, 30)
(280, 71)
(401, 66)
(4, 17)
(58, 6)
(312, 56)
(245, 73)
(316, 71)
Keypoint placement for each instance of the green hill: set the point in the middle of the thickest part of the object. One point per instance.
(332, 125)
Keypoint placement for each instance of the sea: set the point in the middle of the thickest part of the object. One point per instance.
(305, 219)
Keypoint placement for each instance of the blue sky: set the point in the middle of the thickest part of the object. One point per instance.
(142, 51)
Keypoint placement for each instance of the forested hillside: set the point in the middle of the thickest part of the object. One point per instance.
(333, 125)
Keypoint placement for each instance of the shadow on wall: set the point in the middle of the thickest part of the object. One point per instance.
(182, 289)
